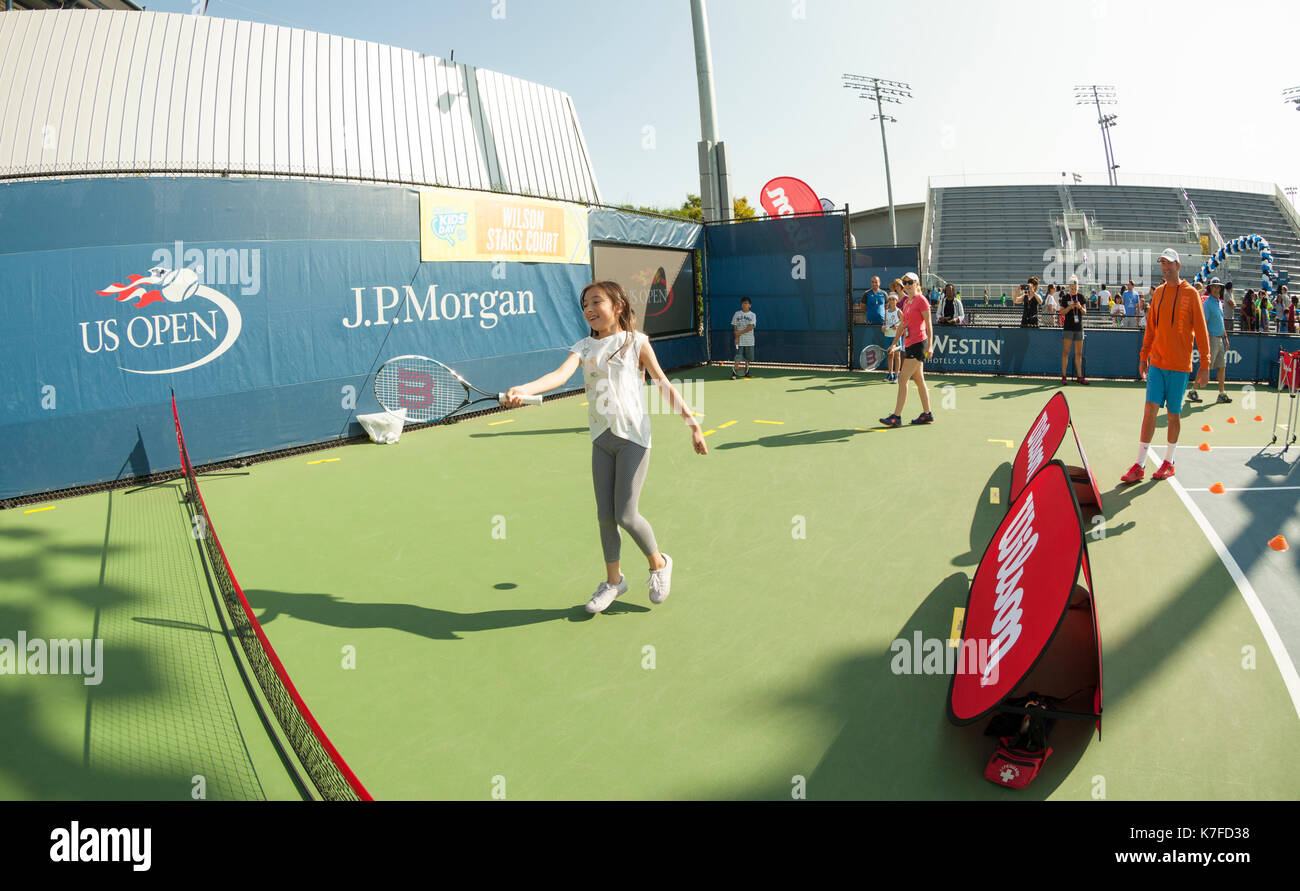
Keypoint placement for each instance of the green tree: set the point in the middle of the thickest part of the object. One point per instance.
(741, 209)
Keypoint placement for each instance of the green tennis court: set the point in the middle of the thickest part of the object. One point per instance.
(427, 600)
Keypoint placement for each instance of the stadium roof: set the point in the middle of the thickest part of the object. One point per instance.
(71, 4)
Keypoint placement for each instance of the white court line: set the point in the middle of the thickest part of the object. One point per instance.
(1275, 645)
(1253, 489)
(1218, 448)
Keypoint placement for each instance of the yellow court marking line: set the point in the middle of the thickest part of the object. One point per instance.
(726, 425)
(324, 460)
(994, 495)
(707, 432)
(958, 613)
(1006, 442)
(585, 403)
(37, 510)
(506, 421)
(768, 422)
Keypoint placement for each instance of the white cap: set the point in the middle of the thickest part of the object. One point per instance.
(910, 277)
(1169, 254)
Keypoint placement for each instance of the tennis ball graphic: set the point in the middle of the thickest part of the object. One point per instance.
(179, 284)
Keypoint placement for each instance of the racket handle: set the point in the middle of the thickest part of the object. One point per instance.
(526, 400)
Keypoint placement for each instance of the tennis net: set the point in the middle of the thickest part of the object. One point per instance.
(325, 767)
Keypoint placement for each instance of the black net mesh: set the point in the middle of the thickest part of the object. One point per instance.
(325, 768)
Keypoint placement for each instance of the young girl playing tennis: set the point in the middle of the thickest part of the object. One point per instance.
(614, 360)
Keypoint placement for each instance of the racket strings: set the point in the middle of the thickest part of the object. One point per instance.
(426, 391)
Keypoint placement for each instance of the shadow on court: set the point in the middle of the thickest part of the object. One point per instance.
(1023, 391)
(423, 621)
(802, 438)
(547, 432)
(36, 763)
(987, 516)
(896, 741)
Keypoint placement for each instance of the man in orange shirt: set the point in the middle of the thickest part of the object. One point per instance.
(1174, 320)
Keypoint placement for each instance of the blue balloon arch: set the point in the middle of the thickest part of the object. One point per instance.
(1242, 243)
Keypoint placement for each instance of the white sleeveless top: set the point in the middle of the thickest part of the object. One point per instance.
(615, 385)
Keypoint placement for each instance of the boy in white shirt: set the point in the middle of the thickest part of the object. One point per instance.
(743, 324)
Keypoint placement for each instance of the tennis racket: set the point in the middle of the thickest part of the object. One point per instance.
(871, 357)
(740, 365)
(429, 390)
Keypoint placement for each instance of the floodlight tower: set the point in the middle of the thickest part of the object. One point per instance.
(715, 180)
(881, 91)
(1292, 95)
(1099, 95)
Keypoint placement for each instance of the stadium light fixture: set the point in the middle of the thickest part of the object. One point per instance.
(1099, 95)
(882, 91)
(1292, 95)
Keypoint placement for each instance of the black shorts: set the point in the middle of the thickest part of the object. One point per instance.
(915, 351)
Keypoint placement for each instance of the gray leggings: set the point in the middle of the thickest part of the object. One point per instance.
(618, 469)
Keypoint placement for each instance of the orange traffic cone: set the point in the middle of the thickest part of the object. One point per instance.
(1217, 488)
(1207, 429)
(1204, 447)
(1232, 420)
(1278, 543)
(1259, 417)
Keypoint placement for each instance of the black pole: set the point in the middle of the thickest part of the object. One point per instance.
(848, 289)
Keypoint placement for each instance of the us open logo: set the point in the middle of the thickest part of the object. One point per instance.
(176, 305)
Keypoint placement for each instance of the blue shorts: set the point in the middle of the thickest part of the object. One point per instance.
(1166, 388)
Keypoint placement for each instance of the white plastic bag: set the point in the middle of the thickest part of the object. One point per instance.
(384, 427)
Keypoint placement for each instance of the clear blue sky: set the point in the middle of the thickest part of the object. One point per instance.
(1199, 83)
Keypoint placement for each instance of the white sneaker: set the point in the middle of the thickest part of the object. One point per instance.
(605, 595)
(660, 580)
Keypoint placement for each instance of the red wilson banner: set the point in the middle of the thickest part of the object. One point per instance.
(786, 195)
(1041, 444)
(1024, 593)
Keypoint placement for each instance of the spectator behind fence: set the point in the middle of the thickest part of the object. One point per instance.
(874, 301)
(1249, 317)
(1229, 309)
(1103, 297)
(1052, 305)
(950, 310)
(1130, 298)
(1032, 301)
(1264, 312)
(1142, 311)
(1117, 310)
(1291, 311)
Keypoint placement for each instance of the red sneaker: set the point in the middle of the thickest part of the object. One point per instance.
(1135, 473)
(1165, 472)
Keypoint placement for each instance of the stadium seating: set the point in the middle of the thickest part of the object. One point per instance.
(998, 234)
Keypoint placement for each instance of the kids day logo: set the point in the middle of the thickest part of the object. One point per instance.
(449, 225)
(185, 308)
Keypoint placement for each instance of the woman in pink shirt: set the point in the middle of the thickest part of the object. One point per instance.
(918, 345)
